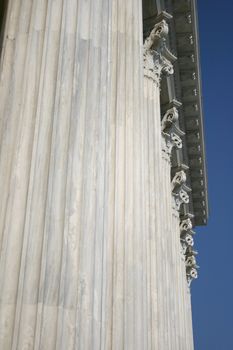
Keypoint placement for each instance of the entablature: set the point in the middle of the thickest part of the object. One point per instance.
(185, 86)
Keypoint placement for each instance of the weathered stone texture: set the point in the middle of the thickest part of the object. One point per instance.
(90, 245)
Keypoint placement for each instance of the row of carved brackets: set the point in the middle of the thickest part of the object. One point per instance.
(187, 243)
(171, 135)
(180, 196)
(159, 60)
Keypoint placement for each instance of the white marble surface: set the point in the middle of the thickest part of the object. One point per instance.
(89, 254)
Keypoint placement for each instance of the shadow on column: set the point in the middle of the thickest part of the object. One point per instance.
(3, 11)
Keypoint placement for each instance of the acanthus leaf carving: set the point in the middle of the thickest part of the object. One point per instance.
(170, 133)
(157, 58)
(180, 190)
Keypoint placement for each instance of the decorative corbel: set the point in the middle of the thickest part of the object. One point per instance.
(180, 190)
(170, 117)
(157, 58)
(186, 225)
(187, 243)
(191, 269)
(179, 179)
(171, 134)
(190, 261)
(187, 240)
(192, 274)
(190, 251)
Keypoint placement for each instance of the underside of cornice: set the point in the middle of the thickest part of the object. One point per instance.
(185, 86)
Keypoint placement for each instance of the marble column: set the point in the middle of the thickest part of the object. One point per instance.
(89, 243)
(157, 63)
(168, 295)
(182, 294)
(73, 268)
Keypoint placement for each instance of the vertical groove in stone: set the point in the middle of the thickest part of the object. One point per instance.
(152, 111)
(109, 199)
(164, 242)
(130, 235)
(172, 254)
(102, 41)
(190, 321)
(168, 240)
(143, 233)
(29, 273)
(176, 257)
(151, 209)
(11, 88)
(69, 241)
(74, 279)
(155, 150)
(85, 317)
(139, 237)
(19, 170)
(146, 204)
(120, 177)
(159, 233)
(184, 303)
(47, 128)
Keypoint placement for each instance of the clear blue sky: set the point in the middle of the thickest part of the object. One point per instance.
(212, 293)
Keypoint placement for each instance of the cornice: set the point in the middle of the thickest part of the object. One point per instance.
(187, 43)
(184, 42)
(185, 86)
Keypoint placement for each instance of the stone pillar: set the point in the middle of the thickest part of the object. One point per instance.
(170, 139)
(170, 320)
(184, 320)
(89, 242)
(157, 61)
(73, 268)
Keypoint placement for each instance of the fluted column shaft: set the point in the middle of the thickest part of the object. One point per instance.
(170, 316)
(73, 261)
(89, 245)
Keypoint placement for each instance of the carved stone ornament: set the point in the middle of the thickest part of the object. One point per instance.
(190, 251)
(169, 141)
(176, 140)
(180, 190)
(180, 198)
(169, 118)
(186, 225)
(187, 243)
(157, 58)
(170, 133)
(191, 261)
(179, 179)
(187, 239)
(191, 274)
